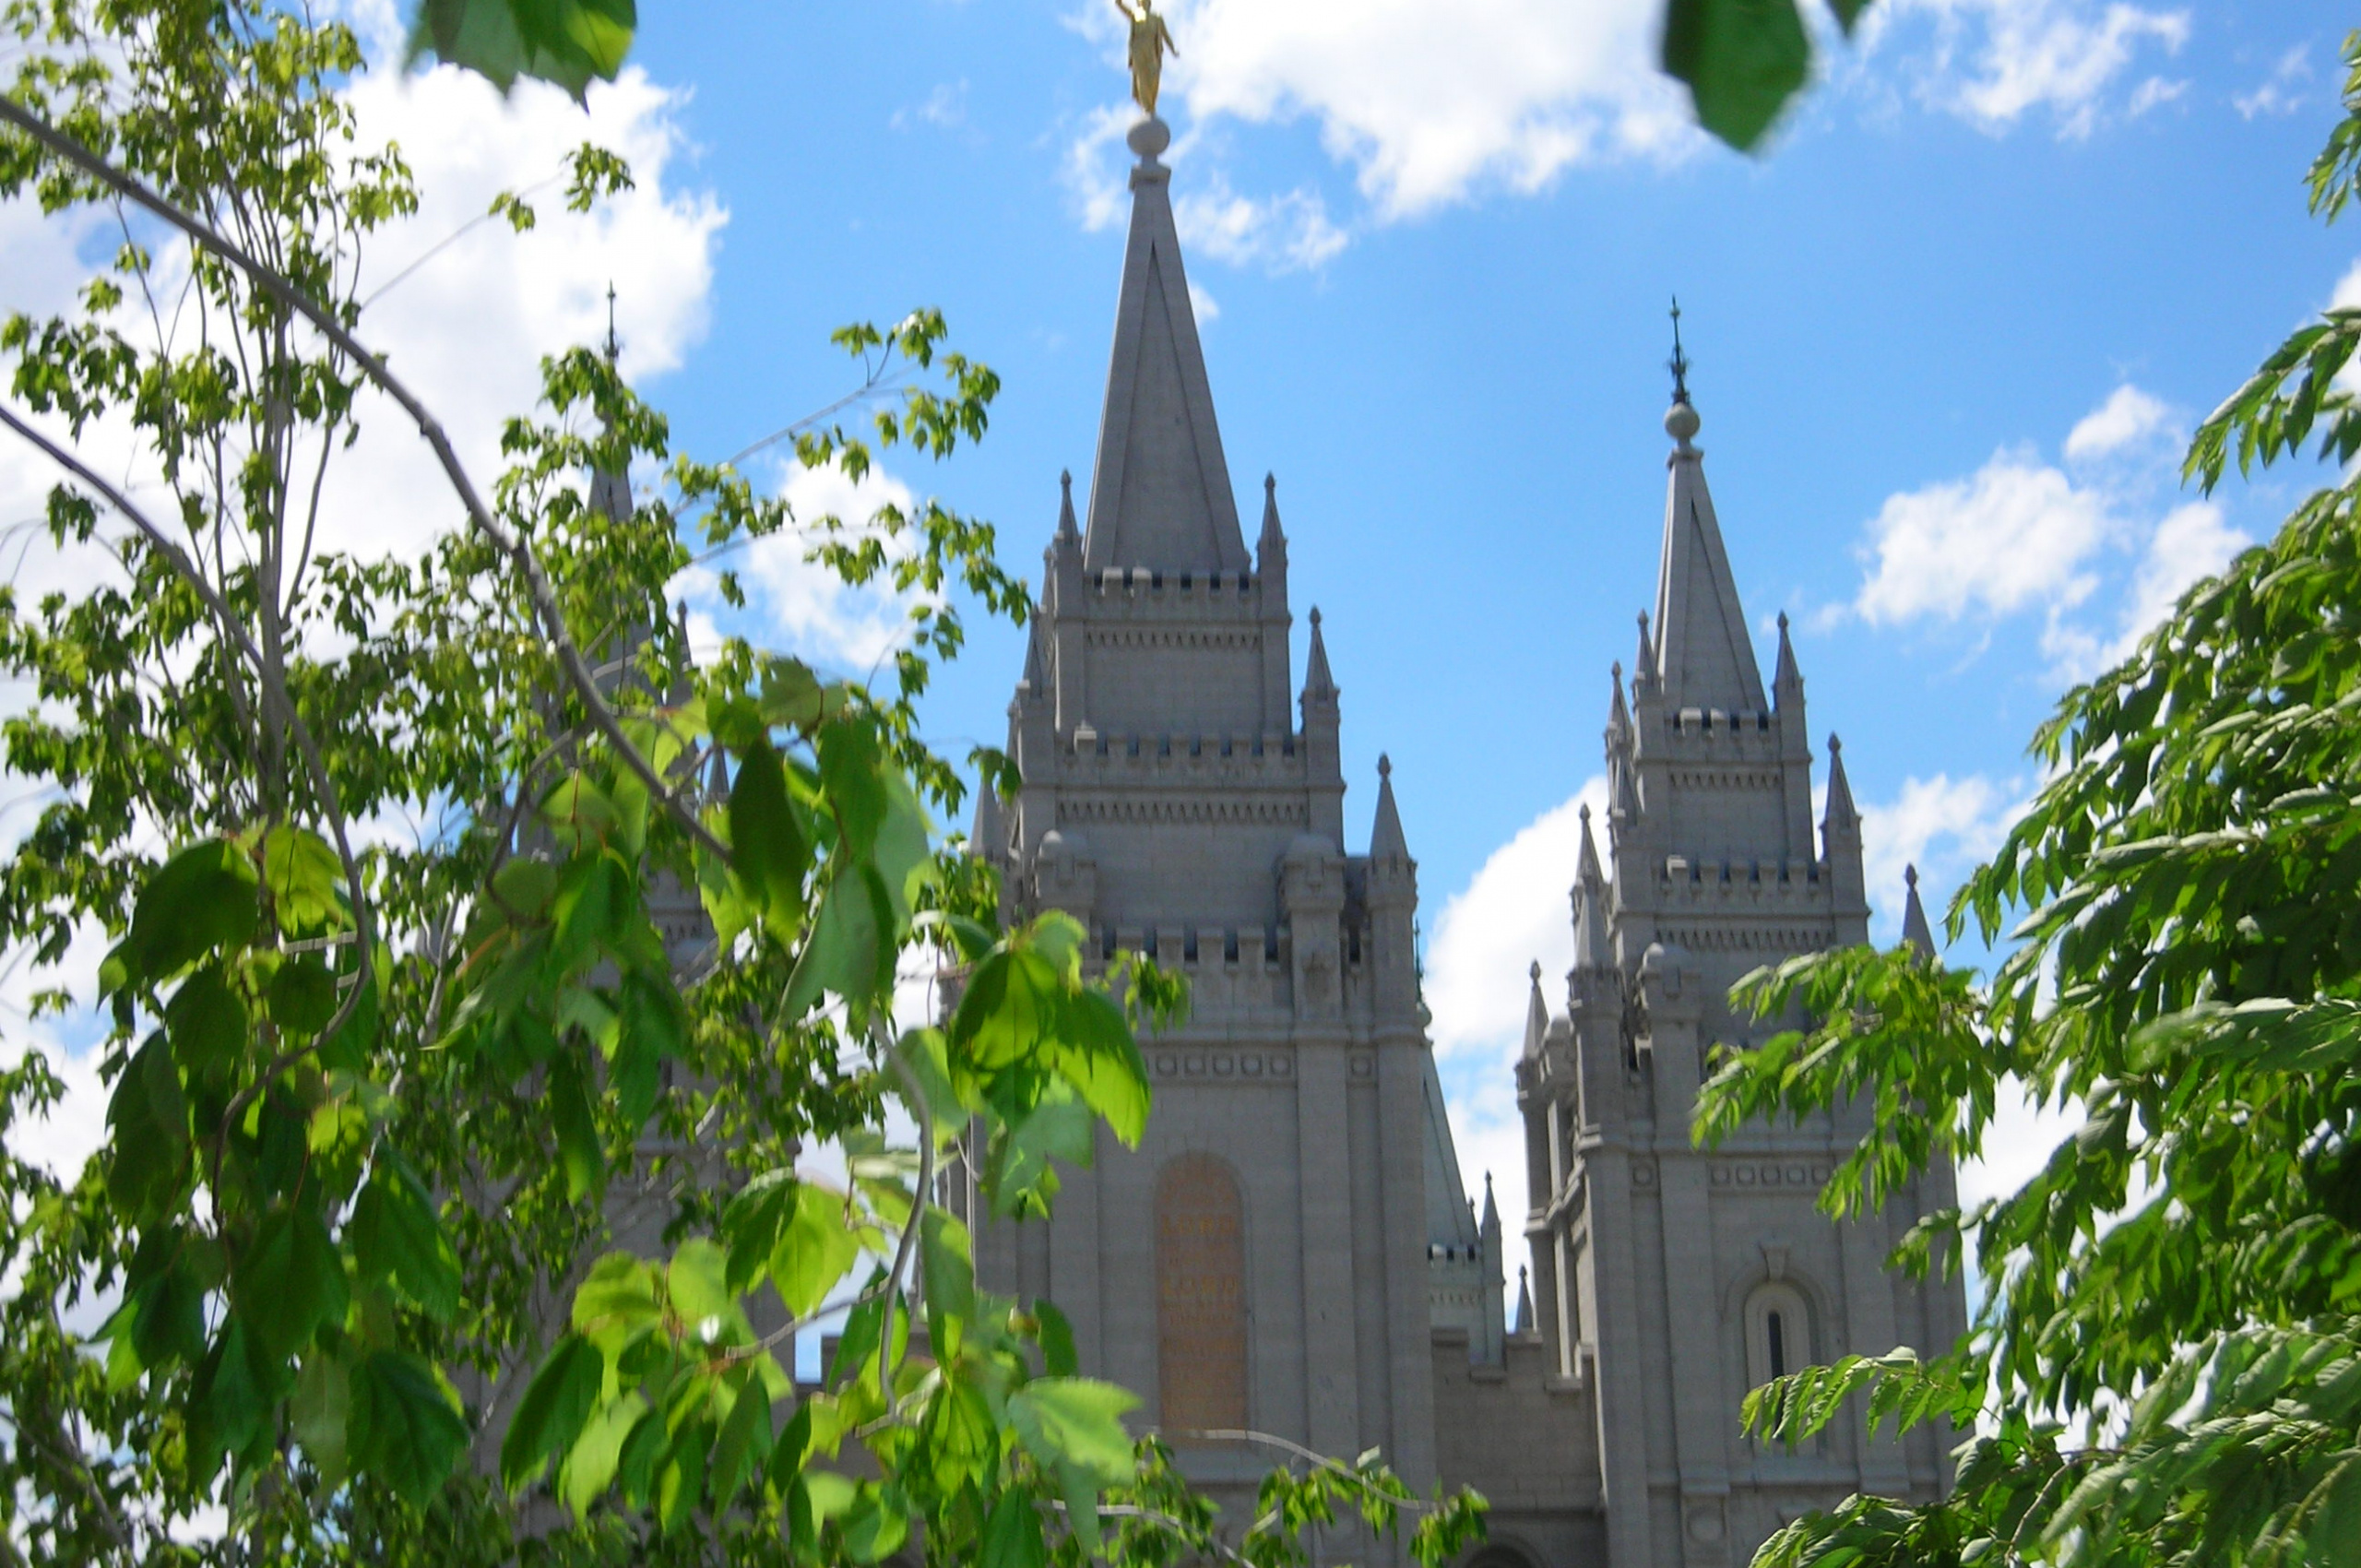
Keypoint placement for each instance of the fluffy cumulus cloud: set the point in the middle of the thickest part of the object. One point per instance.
(802, 607)
(2015, 532)
(1995, 62)
(1943, 826)
(1515, 912)
(1429, 103)
(1282, 233)
(2023, 535)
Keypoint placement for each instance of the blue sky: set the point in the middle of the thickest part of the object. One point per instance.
(1439, 279)
(1947, 335)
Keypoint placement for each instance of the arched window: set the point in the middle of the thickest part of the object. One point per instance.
(1778, 1333)
(1200, 1295)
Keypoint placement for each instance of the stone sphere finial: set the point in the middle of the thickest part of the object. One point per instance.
(1681, 422)
(1315, 616)
(1384, 765)
(1910, 877)
(1149, 138)
(1536, 971)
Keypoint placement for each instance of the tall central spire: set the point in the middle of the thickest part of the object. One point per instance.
(1704, 657)
(1161, 495)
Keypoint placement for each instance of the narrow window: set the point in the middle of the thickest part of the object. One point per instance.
(1775, 1331)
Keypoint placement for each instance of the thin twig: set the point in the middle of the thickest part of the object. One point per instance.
(925, 1114)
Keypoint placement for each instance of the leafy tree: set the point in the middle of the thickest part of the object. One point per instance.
(449, 1211)
(2165, 1364)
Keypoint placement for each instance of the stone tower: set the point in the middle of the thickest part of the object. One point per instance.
(1262, 1260)
(1669, 1281)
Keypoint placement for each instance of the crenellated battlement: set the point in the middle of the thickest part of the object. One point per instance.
(1148, 593)
(1091, 755)
(1795, 881)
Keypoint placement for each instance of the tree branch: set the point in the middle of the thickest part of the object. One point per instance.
(513, 546)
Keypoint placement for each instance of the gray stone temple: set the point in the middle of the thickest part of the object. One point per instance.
(1291, 1250)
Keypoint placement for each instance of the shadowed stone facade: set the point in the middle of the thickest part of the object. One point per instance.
(1290, 1249)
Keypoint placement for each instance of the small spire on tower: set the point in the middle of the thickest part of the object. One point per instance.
(615, 344)
(1067, 530)
(1914, 929)
(1537, 1016)
(1318, 684)
(1619, 717)
(1588, 868)
(1491, 1220)
(1787, 677)
(1840, 811)
(1647, 656)
(1523, 1301)
(1385, 840)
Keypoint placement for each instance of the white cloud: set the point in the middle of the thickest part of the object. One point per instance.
(2017, 532)
(1282, 233)
(1094, 169)
(2279, 93)
(945, 108)
(2128, 417)
(2020, 534)
(1943, 826)
(1994, 62)
(2192, 542)
(1203, 305)
(1431, 102)
(1516, 910)
(805, 608)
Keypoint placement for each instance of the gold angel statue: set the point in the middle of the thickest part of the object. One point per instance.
(1151, 41)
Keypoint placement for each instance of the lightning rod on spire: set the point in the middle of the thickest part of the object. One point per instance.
(1679, 363)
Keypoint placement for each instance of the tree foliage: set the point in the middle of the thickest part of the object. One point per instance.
(449, 1211)
(2166, 1365)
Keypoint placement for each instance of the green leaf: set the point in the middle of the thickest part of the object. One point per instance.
(209, 1028)
(874, 1528)
(568, 42)
(1742, 59)
(406, 1429)
(791, 697)
(853, 779)
(301, 995)
(398, 1235)
(200, 901)
(1078, 1421)
(550, 1416)
(767, 846)
(948, 1271)
(698, 1284)
(149, 1163)
(1095, 1052)
(306, 879)
(523, 887)
(850, 952)
(814, 1250)
(652, 1029)
(1012, 1533)
(590, 1468)
(616, 1300)
(1848, 13)
(745, 1433)
(578, 1144)
(1058, 1358)
(290, 1281)
(320, 1412)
